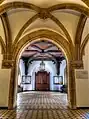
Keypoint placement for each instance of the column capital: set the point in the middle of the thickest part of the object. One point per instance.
(7, 56)
(7, 63)
(78, 64)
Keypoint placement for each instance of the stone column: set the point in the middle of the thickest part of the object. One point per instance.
(10, 64)
(78, 64)
(77, 51)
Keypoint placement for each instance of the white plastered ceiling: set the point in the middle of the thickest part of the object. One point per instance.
(46, 24)
(70, 21)
(17, 18)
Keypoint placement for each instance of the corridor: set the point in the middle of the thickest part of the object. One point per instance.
(43, 105)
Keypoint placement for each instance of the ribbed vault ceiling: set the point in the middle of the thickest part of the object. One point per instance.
(47, 3)
(20, 17)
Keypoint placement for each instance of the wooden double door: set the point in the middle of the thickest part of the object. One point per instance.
(42, 81)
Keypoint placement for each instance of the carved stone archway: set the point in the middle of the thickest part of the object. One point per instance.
(3, 46)
(60, 42)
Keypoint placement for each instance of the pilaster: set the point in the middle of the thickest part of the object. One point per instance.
(77, 64)
(10, 64)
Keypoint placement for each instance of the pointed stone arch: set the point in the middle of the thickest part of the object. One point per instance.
(43, 33)
(2, 45)
(83, 45)
(8, 6)
(56, 39)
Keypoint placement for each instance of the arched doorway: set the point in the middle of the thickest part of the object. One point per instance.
(42, 64)
(61, 43)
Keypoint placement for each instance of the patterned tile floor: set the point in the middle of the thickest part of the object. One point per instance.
(43, 105)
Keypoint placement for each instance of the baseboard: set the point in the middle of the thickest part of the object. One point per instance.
(3, 107)
(82, 107)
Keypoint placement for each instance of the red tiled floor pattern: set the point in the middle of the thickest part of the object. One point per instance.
(43, 105)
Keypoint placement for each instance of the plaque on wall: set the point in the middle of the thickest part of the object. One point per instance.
(81, 74)
(58, 80)
(26, 79)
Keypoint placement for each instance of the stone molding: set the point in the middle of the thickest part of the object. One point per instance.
(43, 33)
(80, 28)
(3, 45)
(1, 1)
(8, 63)
(86, 2)
(78, 64)
(83, 45)
(72, 6)
(44, 13)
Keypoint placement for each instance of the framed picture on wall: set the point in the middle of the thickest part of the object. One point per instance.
(26, 79)
(58, 80)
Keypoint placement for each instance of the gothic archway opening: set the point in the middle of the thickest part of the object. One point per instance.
(41, 68)
(49, 36)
